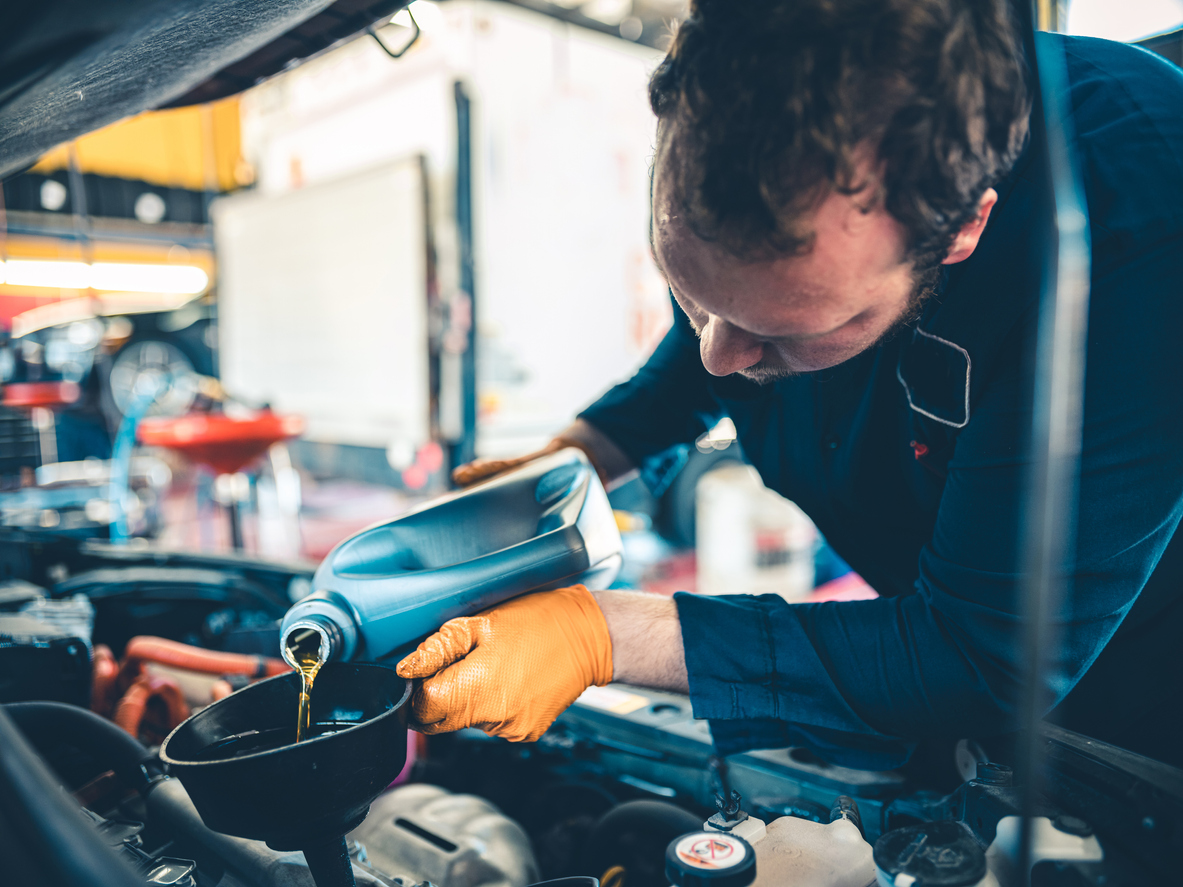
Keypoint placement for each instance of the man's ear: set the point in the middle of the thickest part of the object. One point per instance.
(967, 238)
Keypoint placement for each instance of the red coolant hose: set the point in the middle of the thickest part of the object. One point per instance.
(130, 711)
(105, 683)
(142, 687)
(146, 649)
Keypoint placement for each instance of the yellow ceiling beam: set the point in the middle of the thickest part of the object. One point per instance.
(198, 148)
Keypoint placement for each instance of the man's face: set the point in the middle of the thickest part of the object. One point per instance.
(770, 319)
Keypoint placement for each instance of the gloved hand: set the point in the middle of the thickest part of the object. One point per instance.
(483, 469)
(605, 457)
(513, 668)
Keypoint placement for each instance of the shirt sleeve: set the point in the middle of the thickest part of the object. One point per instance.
(947, 659)
(667, 402)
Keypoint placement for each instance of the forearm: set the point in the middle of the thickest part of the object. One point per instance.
(646, 640)
(609, 460)
(670, 401)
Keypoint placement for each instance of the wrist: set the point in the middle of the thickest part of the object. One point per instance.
(610, 462)
(646, 639)
(587, 635)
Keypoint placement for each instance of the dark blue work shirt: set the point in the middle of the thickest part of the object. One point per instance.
(911, 459)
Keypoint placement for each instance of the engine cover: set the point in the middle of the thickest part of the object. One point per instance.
(426, 833)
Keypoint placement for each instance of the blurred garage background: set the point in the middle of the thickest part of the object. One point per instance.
(426, 244)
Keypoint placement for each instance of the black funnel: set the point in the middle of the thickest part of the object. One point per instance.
(240, 764)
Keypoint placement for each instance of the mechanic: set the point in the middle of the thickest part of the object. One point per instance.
(850, 211)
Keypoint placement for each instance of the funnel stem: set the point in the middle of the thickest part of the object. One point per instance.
(329, 863)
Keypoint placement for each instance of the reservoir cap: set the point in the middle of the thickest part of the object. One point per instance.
(710, 859)
(933, 854)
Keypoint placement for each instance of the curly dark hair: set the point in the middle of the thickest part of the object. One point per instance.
(765, 105)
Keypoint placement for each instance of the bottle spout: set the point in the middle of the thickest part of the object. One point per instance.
(307, 637)
(320, 627)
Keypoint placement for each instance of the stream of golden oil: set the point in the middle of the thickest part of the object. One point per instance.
(304, 649)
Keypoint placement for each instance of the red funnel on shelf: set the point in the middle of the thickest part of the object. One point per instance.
(224, 443)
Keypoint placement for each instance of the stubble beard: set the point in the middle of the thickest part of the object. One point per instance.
(763, 374)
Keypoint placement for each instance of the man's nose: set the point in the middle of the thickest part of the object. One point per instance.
(726, 349)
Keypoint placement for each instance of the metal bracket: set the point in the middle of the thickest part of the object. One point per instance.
(372, 31)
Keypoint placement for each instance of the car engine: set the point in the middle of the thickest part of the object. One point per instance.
(105, 649)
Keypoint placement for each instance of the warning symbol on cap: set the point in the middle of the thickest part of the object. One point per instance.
(710, 851)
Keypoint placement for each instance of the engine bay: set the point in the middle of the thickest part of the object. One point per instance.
(104, 650)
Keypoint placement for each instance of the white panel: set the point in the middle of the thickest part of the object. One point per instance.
(322, 305)
(568, 299)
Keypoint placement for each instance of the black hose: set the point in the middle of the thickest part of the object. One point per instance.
(43, 839)
(47, 722)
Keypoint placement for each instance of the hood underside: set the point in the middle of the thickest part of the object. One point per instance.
(68, 67)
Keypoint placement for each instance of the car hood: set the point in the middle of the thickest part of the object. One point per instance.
(68, 67)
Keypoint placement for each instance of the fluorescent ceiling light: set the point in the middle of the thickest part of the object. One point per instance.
(107, 276)
(147, 278)
(59, 275)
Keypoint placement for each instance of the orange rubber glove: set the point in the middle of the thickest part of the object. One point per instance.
(512, 669)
